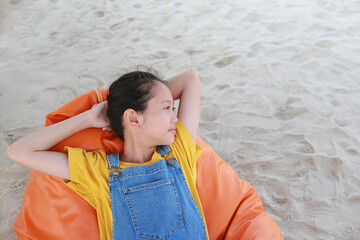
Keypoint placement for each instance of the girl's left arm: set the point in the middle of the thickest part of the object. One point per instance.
(32, 151)
(186, 87)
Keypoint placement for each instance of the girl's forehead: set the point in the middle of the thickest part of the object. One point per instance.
(162, 93)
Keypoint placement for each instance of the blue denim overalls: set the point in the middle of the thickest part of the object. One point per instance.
(153, 201)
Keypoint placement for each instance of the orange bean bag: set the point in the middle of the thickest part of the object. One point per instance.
(51, 210)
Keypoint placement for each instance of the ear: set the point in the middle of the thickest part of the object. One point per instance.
(131, 117)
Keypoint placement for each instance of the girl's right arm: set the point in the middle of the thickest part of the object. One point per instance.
(32, 152)
(186, 87)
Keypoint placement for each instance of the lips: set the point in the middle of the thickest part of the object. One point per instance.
(173, 130)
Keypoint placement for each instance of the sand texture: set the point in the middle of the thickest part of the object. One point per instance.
(280, 90)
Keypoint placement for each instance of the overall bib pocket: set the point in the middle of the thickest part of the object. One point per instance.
(154, 209)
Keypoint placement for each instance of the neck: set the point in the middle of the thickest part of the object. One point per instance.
(136, 152)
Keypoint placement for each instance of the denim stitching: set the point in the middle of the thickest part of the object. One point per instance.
(145, 172)
(133, 220)
(163, 182)
(112, 209)
(193, 201)
(163, 166)
(136, 188)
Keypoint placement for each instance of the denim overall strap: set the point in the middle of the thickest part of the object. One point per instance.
(113, 160)
(163, 150)
(153, 201)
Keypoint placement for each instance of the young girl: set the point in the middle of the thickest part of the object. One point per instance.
(149, 190)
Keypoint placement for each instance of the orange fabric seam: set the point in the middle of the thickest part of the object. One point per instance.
(98, 93)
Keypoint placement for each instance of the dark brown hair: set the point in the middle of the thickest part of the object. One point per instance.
(131, 90)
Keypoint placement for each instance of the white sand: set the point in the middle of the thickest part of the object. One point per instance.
(281, 90)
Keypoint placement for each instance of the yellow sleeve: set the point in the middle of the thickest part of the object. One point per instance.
(88, 172)
(185, 149)
(187, 153)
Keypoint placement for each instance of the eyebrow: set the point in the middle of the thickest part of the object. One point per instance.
(166, 101)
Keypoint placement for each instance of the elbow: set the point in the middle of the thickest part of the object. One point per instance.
(12, 153)
(193, 75)
(194, 78)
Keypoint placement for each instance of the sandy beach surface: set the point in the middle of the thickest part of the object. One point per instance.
(280, 90)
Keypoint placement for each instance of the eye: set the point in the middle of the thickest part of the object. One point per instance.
(169, 107)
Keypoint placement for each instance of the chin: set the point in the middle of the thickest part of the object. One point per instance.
(168, 140)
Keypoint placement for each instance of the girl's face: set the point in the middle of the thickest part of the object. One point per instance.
(159, 119)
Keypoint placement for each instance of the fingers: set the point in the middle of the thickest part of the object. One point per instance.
(98, 117)
(101, 104)
(109, 129)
